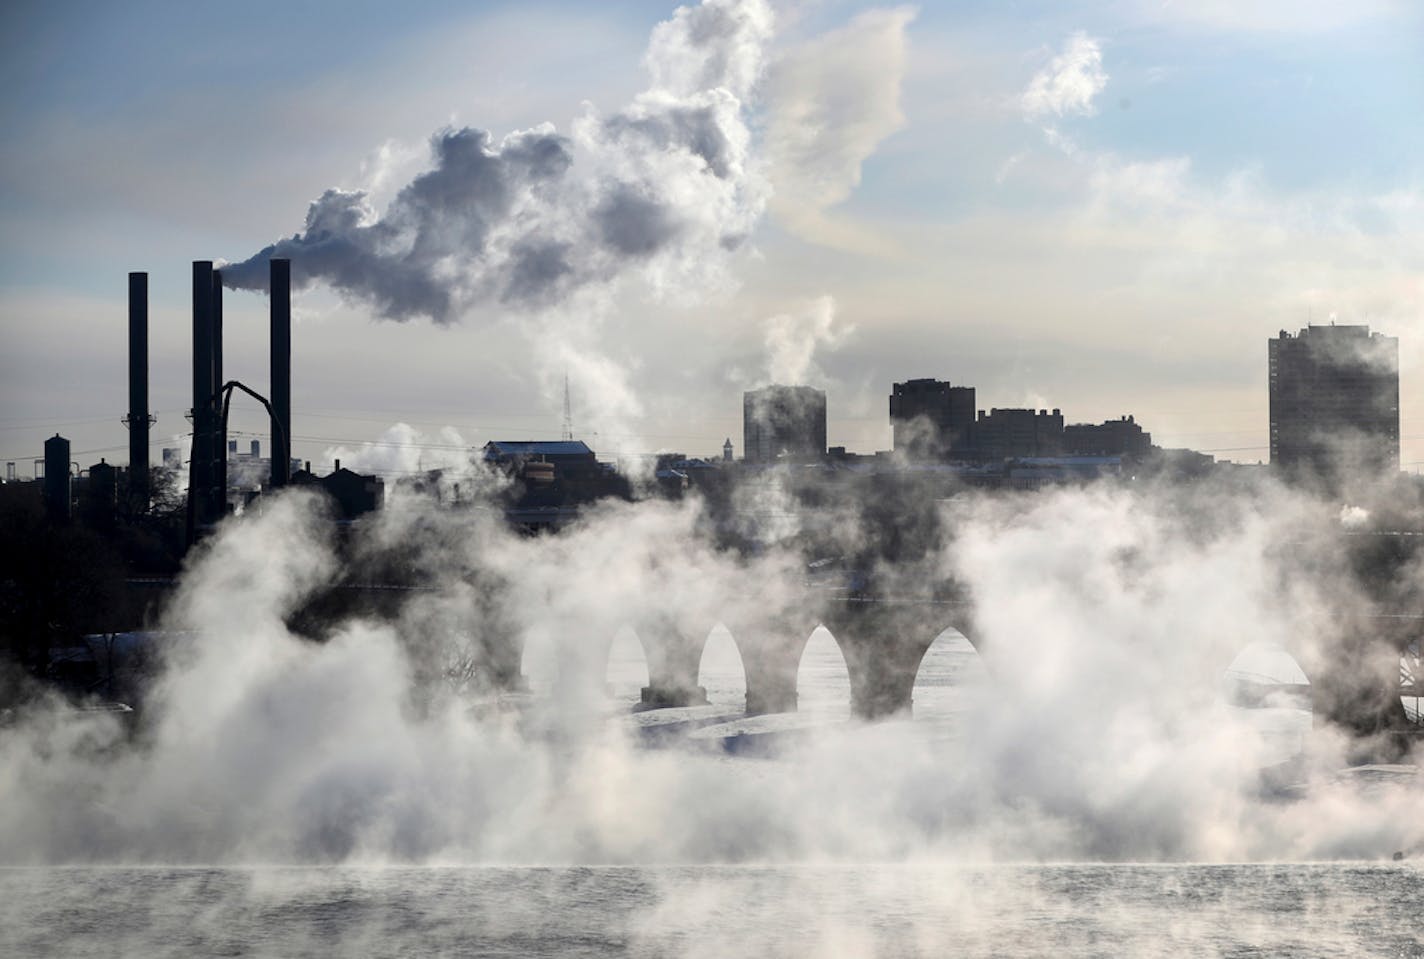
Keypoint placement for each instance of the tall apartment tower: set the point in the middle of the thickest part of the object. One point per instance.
(1334, 402)
(784, 422)
(931, 419)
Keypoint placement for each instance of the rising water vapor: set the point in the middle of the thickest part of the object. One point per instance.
(1105, 618)
(661, 189)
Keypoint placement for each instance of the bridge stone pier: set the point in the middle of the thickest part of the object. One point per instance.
(884, 642)
(673, 649)
(771, 649)
(498, 645)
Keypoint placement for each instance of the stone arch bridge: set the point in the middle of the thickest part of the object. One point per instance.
(884, 639)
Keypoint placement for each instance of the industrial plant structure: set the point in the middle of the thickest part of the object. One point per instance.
(207, 470)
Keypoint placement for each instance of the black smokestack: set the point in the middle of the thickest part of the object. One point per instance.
(281, 287)
(219, 427)
(138, 392)
(202, 504)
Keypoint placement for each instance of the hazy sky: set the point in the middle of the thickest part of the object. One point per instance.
(1102, 207)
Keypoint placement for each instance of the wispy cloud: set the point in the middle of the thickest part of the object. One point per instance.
(831, 102)
(1068, 85)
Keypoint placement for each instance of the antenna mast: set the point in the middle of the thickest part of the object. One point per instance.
(568, 411)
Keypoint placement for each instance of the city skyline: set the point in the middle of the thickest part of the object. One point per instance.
(1078, 209)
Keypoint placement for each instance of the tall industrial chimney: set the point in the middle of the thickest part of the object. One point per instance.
(219, 427)
(281, 336)
(138, 419)
(203, 506)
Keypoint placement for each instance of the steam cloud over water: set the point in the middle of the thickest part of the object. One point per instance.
(662, 188)
(1105, 618)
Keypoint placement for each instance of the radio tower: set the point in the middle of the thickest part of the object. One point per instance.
(568, 411)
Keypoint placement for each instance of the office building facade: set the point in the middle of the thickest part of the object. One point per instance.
(931, 419)
(1334, 402)
(784, 423)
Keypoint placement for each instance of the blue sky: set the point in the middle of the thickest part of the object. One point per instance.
(1218, 172)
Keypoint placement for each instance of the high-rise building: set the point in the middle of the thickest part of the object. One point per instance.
(1334, 402)
(784, 422)
(931, 419)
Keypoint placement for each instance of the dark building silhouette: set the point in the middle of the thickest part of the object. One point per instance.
(1010, 433)
(931, 418)
(1119, 437)
(352, 493)
(784, 422)
(566, 459)
(553, 476)
(57, 494)
(99, 499)
(1334, 402)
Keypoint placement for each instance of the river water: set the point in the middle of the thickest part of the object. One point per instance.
(695, 911)
(908, 902)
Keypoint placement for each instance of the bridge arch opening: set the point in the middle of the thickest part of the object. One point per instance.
(539, 663)
(626, 670)
(721, 670)
(823, 678)
(1268, 691)
(1411, 681)
(1264, 676)
(949, 678)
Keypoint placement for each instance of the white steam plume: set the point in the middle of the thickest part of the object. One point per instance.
(663, 188)
(792, 340)
(404, 450)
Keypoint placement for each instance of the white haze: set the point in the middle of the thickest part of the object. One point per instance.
(1106, 617)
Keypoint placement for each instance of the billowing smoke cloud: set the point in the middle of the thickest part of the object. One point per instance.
(663, 188)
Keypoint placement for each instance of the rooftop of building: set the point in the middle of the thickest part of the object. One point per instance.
(1337, 330)
(496, 449)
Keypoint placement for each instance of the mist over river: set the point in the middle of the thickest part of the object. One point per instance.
(914, 901)
(1074, 782)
